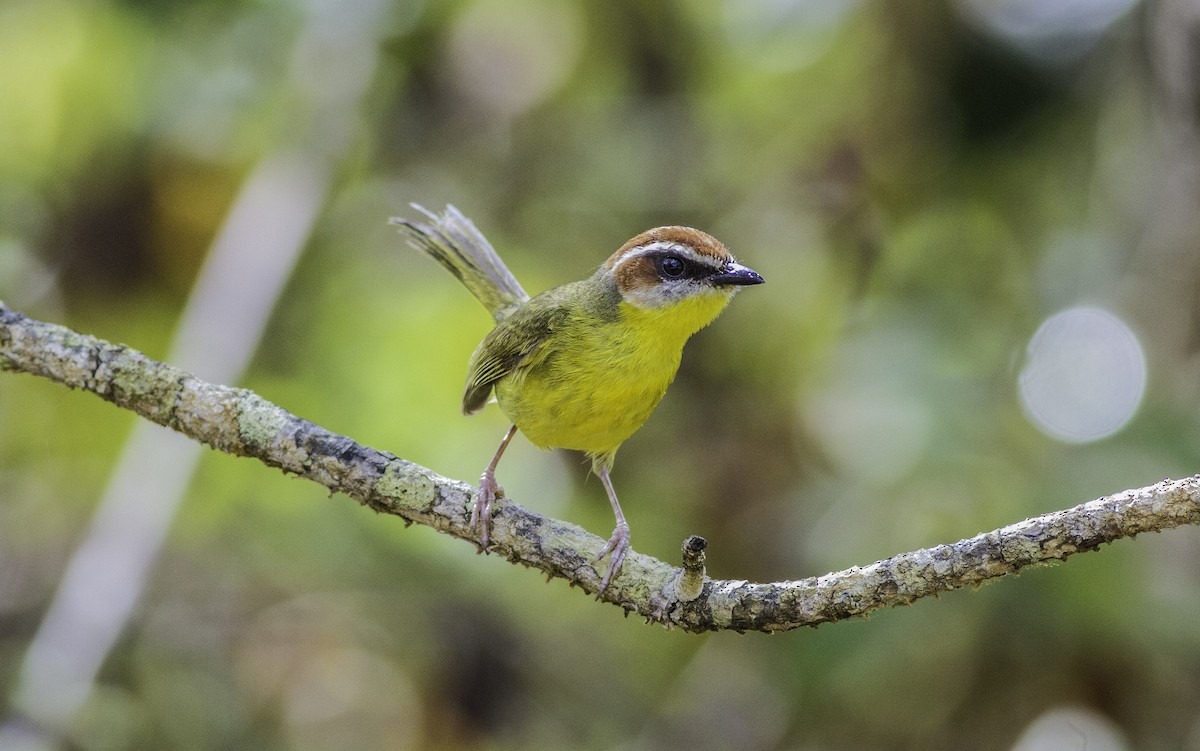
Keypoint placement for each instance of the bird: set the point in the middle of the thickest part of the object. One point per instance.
(581, 366)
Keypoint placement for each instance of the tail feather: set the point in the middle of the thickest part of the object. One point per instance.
(454, 242)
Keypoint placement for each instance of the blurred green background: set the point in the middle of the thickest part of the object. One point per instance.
(923, 185)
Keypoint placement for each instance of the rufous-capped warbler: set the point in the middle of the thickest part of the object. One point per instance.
(581, 366)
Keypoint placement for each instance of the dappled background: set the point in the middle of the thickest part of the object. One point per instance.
(978, 222)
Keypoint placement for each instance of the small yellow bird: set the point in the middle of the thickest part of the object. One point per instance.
(582, 366)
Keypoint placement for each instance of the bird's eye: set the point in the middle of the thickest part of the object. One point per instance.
(672, 267)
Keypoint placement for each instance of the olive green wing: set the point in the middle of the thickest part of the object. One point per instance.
(514, 342)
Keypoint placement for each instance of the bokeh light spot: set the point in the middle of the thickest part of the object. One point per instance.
(1050, 31)
(1084, 375)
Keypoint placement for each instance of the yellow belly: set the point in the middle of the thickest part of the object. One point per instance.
(595, 383)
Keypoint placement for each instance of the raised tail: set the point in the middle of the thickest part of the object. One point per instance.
(452, 240)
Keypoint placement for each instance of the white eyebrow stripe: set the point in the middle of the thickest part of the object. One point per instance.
(672, 247)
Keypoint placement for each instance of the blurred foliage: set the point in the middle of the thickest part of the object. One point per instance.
(920, 183)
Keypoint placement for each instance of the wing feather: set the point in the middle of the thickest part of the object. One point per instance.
(512, 345)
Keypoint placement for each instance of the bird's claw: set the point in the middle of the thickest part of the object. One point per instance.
(481, 511)
(618, 546)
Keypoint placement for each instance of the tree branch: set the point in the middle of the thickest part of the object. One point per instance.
(237, 421)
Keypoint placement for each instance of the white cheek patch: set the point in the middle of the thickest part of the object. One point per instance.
(669, 292)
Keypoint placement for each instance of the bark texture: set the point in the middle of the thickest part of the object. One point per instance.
(239, 422)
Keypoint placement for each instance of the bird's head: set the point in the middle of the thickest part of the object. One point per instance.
(667, 266)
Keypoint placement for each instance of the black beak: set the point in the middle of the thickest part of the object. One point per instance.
(736, 274)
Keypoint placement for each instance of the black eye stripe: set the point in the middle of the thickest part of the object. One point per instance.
(672, 265)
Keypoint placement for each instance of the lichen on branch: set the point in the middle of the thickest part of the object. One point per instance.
(239, 422)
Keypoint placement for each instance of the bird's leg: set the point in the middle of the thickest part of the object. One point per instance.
(489, 491)
(618, 544)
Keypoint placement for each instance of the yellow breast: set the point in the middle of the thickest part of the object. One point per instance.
(595, 382)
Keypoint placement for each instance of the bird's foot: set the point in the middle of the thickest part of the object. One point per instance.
(618, 545)
(481, 512)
